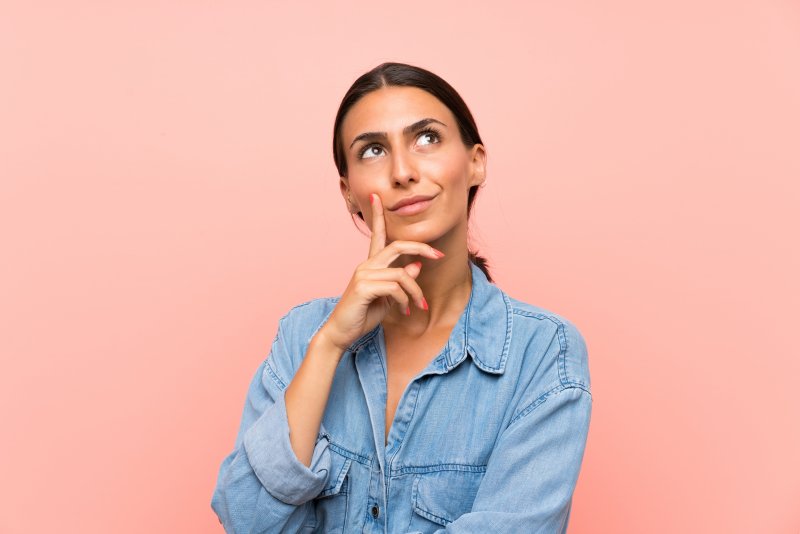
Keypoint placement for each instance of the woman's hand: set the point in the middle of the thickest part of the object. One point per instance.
(375, 286)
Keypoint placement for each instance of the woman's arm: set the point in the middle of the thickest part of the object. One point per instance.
(281, 460)
(307, 395)
(263, 486)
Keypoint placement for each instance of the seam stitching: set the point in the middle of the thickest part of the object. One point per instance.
(538, 402)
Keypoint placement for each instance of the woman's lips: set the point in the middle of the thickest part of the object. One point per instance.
(416, 207)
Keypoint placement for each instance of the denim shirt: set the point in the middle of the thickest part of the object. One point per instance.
(489, 437)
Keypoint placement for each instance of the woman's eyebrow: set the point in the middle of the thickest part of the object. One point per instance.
(380, 136)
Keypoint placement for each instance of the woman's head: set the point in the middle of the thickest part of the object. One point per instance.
(403, 131)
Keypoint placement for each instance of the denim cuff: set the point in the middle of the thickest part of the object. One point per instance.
(274, 461)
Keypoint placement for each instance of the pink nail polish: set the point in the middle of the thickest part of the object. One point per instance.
(408, 310)
(371, 199)
(424, 304)
(438, 253)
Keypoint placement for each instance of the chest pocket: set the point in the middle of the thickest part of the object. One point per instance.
(330, 506)
(441, 497)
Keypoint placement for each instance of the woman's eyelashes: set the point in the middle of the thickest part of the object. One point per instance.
(430, 135)
(432, 132)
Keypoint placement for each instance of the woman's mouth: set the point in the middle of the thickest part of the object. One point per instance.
(412, 209)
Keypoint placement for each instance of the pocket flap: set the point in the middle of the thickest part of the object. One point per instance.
(444, 496)
(337, 482)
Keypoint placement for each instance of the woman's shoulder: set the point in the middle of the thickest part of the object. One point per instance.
(302, 320)
(310, 307)
(557, 338)
(538, 313)
(296, 327)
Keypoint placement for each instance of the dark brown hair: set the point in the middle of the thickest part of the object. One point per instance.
(401, 74)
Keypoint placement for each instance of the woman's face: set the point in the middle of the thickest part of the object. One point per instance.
(402, 142)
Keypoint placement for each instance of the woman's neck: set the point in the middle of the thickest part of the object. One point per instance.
(446, 284)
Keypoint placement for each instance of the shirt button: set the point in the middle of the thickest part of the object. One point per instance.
(375, 512)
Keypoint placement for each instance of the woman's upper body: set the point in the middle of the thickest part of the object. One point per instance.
(488, 437)
(470, 414)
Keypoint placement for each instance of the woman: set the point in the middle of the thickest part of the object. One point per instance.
(424, 398)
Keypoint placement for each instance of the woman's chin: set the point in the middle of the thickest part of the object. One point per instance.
(420, 231)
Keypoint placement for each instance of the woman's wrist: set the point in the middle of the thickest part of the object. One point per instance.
(325, 343)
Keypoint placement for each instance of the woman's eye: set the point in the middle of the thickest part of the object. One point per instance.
(370, 152)
(431, 136)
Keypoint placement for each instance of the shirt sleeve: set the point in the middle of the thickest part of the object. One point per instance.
(262, 486)
(533, 470)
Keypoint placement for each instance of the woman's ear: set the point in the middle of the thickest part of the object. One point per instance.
(478, 165)
(344, 187)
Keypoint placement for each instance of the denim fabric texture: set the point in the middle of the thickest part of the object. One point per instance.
(488, 438)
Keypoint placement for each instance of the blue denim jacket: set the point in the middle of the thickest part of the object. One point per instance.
(488, 438)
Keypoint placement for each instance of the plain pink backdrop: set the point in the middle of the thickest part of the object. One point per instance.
(167, 192)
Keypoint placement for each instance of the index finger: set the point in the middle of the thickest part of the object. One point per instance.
(378, 240)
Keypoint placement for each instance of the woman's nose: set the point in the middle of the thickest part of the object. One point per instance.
(403, 168)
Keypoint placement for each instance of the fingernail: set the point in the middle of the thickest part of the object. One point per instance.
(408, 310)
(418, 264)
(424, 304)
(371, 200)
(439, 253)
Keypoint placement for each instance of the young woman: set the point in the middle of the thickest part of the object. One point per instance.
(424, 398)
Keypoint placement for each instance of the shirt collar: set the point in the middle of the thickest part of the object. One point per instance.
(483, 331)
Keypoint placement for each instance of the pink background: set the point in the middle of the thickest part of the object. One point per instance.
(167, 192)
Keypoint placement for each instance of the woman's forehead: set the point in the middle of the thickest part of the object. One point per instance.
(390, 109)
